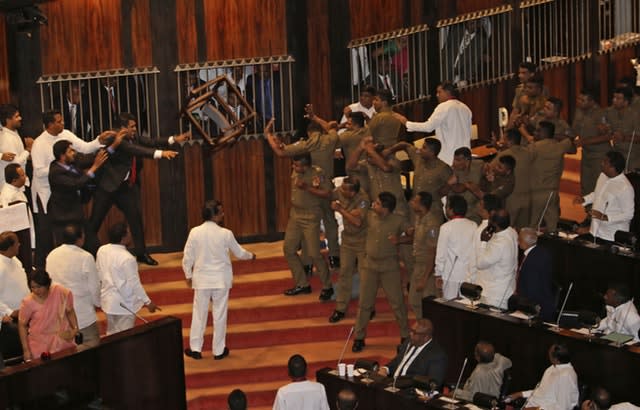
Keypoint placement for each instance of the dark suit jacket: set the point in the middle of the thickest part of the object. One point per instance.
(65, 203)
(534, 281)
(431, 362)
(116, 168)
(82, 117)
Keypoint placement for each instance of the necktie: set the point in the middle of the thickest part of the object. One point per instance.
(133, 173)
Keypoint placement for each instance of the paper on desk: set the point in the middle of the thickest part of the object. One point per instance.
(472, 406)
(567, 235)
(448, 400)
(519, 315)
(463, 301)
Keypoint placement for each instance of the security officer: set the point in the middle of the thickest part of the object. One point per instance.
(384, 126)
(624, 127)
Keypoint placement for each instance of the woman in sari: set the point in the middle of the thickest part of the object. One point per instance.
(47, 320)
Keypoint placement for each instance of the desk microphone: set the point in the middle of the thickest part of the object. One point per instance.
(544, 211)
(453, 265)
(503, 296)
(564, 304)
(133, 313)
(345, 345)
(524, 406)
(633, 137)
(459, 378)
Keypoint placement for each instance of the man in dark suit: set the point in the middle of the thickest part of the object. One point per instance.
(534, 274)
(75, 110)
(419, 356)
(119, 184)
(67, 181)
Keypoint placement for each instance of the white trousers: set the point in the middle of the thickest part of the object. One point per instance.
(118, 323)
(220, 300)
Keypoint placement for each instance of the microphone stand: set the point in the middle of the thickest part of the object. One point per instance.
(452, 405)
(122, 305)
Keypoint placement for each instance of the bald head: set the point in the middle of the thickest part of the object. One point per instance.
(485, 352)
(347, 400)
(527, 238)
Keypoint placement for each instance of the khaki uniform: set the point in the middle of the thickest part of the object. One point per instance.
(530, 107)
(501, 186)
(380, 181)
(384, 128)
(429, 177)
(425, 241)
(352, 248)
(627, 122)
(585, 125)
(321, 147)
(350, 140)
(518, 204)
(548, 164)
(303, 228)
(381, 266)
(474, 175)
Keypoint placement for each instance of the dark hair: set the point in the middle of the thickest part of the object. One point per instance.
(560, 352)
(11, 172)
(425, 199)
(508, 161)
(457, 204)
(530, 67)
(297, 366)
(626, 92)
(385, 95)
(616, 159)
(501, 219)
(117, 232)
(7, 240)
(589, 93)
(303, 159)
(352, 182)
(60, 147)
(357, 117)
(368, 89)
(49, 117)
(124, 118)
(557, 103)
(450, 88)
(433, 144)
(464, 151)
(537, 79)
(514, 136)
(387, 200)
(71, 234)
(314, 127)
(346, 400)
(548, 128)
(7, 111)
(210, 209)
(623, 293)
(600, 398)
(491, 202)
(237, 400)
(40, 277)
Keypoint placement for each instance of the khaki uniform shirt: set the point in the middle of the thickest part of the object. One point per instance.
(353, 237)
(585, 125)
(384, 128)
(378, 247)
(548, 163)
(425, 238)
(320, 146)
(303, 199)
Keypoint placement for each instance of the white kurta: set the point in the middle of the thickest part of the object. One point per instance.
(557, 390)
(613, 197)
(623, 319)
(13, 285)
(357, 107)
(453, 254)
(75, 269)
(41, 157)
(304, 395)
(451, 120)
(10, 194)
(10, 141)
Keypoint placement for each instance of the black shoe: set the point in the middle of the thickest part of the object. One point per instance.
(224, 354)
(336, 316)
(308, 270)
(334, 262)
(372, 314)
(326, 294)
(358, 345)
(146, 258)
(192, 354)
(298, 290)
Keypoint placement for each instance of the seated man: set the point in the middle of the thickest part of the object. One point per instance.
(237, 400)
(419, 356)
(300, 393)
(558, 388)
(622, 315)
(487, 377)
(347, 400)
(600, 399)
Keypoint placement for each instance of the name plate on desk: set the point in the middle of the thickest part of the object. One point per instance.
(14, 218)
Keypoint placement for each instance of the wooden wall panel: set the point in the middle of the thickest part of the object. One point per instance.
(463, 7)
(369, 17)
(141, 34)
(194, 179)
(319, 59)
(82, 35)
(245, 28)
(557, 81)
(239, 182)
(4, 63)
(187, 35)
(151, 204)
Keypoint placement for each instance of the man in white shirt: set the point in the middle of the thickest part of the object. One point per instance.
(495, 260)
(41, 157)
(488, 375)
(300, 394)
(622, 315)
(122, 293)
(11, 193)
(12, 149)
(75, 269)
(454, 249)
(558, 388)
(451, 120)
(612, 201)
(363, 105)
(13, 288)
(207, 267)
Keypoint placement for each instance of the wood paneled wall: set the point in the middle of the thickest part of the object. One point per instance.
(369, 17)
(4, 64)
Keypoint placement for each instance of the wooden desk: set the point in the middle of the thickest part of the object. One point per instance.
(457, 328)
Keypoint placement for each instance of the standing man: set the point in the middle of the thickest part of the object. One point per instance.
(120, 184)
(75, 269)
(12, 149)
(623, 126)
(13, 192)
(122, 293)
(207, 267)
(300, 393)
(363, 105)
(467, 174)
(384, 126)
(451, 120)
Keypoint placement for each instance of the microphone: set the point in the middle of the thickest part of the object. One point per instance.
(563, 305)
(453, 265)
(626, 165)
(459, 378)
(345, 345)
(544, 211)
(524, 406)
(133, 313)
(504, 295)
